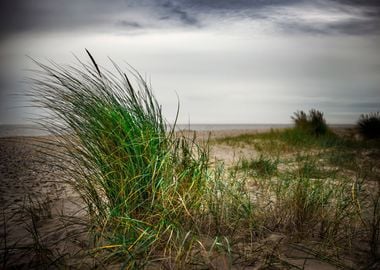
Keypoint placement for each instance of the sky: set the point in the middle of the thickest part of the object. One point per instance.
(242, 61)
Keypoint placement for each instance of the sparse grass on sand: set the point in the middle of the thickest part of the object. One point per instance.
(323, 192)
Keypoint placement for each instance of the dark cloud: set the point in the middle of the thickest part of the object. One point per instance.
(373, 3)
(350, 27)
(370, 22)
(369, 106)
(95, 15)
(129, 24)
(355, 27)
(51, 15)
(235, 5)
(181, 14)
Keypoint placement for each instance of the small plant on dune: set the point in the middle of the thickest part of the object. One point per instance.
(301, 201)
(259, 167)
(310, 167)
(367, 202)
(369, 125)
(313, 123)
(304, 205)
(149, 193)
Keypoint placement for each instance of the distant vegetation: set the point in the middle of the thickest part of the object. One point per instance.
(369, 125)
(314, 123)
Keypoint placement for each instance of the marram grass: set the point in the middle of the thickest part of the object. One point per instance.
(149, 193)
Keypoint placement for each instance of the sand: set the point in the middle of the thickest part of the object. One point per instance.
(32, 190)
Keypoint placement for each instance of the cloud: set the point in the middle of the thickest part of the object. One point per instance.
(324, 17)
(182, 15)
(44, 15)
(290, 16)
(321, 16)
(24, 16)
(367, 3)
(355, 27)
(129, 24)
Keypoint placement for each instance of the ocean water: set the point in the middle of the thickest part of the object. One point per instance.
(211, 127)
(34, 130)
(21, 130)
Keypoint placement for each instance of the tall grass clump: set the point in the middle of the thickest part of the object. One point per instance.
(314, 123)
(149, 193)
(369, 125)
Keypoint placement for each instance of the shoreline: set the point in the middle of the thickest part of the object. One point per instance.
(9, 131)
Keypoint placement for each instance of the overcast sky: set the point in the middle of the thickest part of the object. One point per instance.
(238, 61)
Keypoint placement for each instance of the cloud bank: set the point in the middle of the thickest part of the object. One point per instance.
(321, 16)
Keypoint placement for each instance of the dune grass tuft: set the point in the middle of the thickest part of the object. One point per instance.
(149, 193)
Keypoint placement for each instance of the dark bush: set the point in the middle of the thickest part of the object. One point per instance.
(369, 125)
(300, 119)
(313, 123)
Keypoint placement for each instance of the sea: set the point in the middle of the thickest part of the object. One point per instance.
(21, 130)
(215, 127)
(34, 130)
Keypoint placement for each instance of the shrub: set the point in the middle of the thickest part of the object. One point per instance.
(313, 123)
(369, 125)
(300, 119)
